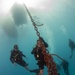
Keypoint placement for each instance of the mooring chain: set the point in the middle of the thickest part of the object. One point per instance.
(34, 24)
(36, 29)
(48, 58)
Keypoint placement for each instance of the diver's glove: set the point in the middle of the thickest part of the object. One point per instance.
(46, 45)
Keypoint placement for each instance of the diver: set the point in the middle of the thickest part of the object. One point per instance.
(65, 65)
(72, 46)
(37, 52)
(17, 57)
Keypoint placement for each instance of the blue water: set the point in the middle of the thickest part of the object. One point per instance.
(59, 26)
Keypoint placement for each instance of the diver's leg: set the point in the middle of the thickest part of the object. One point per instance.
(67, 72)
(41, 67)
(41, 72)
(26, 67)
(24, 64)
(71, 53)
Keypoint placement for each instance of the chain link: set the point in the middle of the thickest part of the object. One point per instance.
(34, 24)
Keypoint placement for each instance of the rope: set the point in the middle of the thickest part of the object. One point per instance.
(58, 57)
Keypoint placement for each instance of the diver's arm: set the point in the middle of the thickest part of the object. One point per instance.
(45, 44)
(11, 58)
(71, 54)
(33, 51)
(69, 44)
(23, 55)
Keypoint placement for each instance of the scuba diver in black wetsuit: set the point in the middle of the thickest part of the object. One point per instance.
(37, 51)
(72, 46)
(65, 66)
(16, 57)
